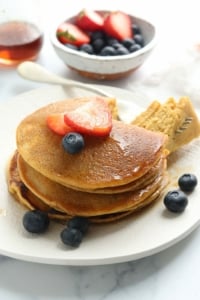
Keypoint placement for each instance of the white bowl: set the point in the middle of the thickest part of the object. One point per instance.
(107, 67)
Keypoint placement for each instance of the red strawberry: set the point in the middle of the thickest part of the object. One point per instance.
(89, 20)
(92, 117)
(118, 25)
(56, 123)
(71, 34)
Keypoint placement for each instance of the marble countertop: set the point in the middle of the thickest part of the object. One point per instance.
(171, 274)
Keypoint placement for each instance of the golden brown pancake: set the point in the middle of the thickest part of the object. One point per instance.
(148, 178)
(22, 194)
(19, 190)
(127, 154)
(110, 178)
(75, 202)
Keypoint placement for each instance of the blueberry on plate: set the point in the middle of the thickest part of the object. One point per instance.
(36, 221)
(175, 201)
(71, 237)
(73, 142)
(79, 223)
(187, 182)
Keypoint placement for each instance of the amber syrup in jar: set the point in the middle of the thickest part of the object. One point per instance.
(19, 41)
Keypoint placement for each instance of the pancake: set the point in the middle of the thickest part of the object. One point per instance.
(22, 194)
(127, 154)
(148, 178)
(17, 188)
(111, 178)
(86, 204)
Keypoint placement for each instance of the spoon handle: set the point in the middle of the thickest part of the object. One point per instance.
(35, 72)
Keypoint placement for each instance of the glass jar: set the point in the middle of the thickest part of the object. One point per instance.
(21, 37)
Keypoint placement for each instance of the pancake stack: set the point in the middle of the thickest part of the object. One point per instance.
(110, 178)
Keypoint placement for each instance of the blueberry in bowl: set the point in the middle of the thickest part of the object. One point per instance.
(104, 45)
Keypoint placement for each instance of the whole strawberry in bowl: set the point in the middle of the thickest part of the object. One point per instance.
(103, 45)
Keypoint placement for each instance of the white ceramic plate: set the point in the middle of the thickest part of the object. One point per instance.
(138, 236)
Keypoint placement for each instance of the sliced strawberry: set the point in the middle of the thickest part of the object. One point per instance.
(118, 25)
(56, 123)
(71, 34)
(92, 117)
(89, 20)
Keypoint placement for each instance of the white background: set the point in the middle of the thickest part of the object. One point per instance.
(173, 273)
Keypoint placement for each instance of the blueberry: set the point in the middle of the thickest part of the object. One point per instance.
(134, 48)
(35, 221)
(71, 236)
(175, 201)
(97, 35)
(87, 48)
(98, 44)
(138, 38)
(135, 29)
(73, 47)
(79, 223)
(128, 42)
(117, 45)
(108, 51)
(111, 41)
(73, 142)
(187, 182)
(122, 51)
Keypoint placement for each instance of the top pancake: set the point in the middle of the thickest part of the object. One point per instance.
(125, 155)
